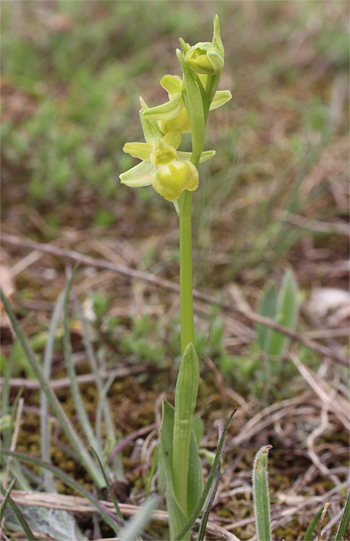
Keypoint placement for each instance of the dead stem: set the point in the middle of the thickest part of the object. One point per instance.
(81, 505)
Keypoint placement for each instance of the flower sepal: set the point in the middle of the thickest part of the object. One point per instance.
(166, 111)
(205, 156)
(172, 84)
(138, 176)
(194, 103)
(150, 128)
(142, 151)
(220, 98)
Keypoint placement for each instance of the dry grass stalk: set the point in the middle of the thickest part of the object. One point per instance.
(171, 286)
(82, 379)
(337, 404)
(76, 504)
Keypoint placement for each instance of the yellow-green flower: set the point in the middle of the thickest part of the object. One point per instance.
(168, 170)
(172, 115)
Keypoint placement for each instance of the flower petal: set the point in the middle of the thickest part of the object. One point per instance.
(166, 111)
(139, 150)
(194, 107)
(221, 97)
(186, 156)
(172, 138)
(171, 83)
(180, 122)
(140, 175)
(150, 128)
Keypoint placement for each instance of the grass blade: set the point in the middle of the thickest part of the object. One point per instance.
(94, 367)
(67, 427)
(261, 494)
(5, 407)
(135, 526)
(101, 408)
(344, 521)
(152, 471)
(210, 480)
(101, 387)
(76, 395)
(20, 517)
(201, 531)
(4, 502)
(108, 485)
(107, 515)
(6, 395)
(44, 418)
(313, 524)
(15, 406)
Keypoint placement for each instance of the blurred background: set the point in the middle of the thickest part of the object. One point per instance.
(274, 198)
(72, 73)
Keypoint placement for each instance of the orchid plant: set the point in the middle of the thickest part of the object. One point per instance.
(174, 175)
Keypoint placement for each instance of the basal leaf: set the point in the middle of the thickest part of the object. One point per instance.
(177, 516)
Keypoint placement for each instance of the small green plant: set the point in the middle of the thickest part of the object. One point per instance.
(261, 495)
(174, 175)
(262, 503)
(282, 307)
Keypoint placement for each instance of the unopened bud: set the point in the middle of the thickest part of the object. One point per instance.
(204, 58)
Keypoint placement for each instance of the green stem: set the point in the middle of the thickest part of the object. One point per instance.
(186, 299)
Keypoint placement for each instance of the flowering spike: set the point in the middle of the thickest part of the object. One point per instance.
(171, 171)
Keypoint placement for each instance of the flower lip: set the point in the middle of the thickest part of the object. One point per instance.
(172, 179)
